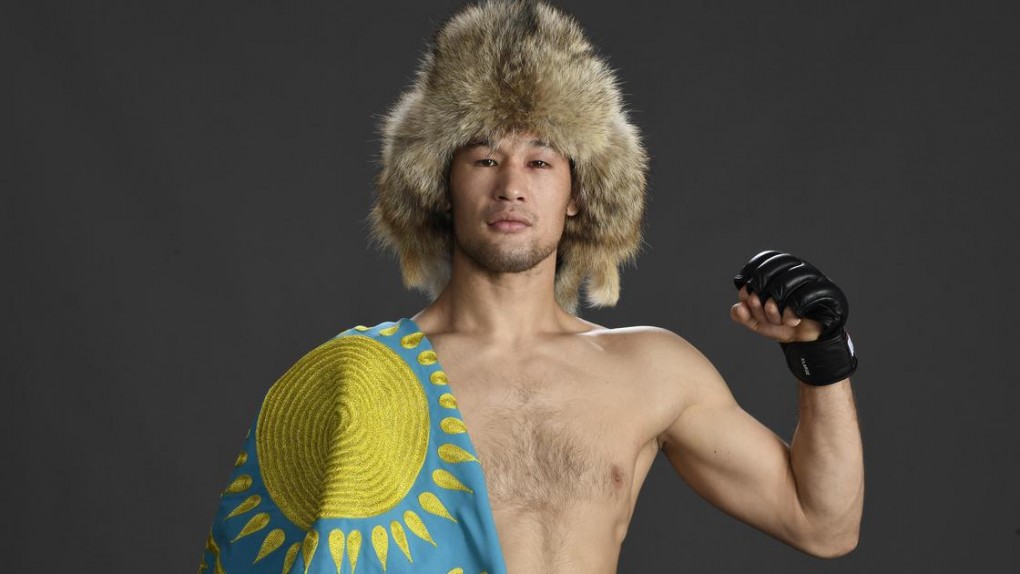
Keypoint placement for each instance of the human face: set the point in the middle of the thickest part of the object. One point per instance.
(509, 202)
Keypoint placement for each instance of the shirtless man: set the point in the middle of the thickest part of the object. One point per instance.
(496, 431)
(568, 416)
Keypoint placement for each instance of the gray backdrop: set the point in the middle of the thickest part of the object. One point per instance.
(184, 193)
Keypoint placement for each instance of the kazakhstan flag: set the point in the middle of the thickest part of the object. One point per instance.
(358, 462)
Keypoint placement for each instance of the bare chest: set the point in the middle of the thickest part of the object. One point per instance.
(548, 433)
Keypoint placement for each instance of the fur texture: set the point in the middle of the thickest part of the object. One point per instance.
(494, 68)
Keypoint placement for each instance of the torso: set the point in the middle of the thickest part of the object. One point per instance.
(566, 431)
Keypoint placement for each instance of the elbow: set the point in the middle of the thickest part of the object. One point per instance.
(831, 535)
(832, 546)
(834, 549)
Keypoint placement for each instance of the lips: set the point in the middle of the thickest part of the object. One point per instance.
(509, 217)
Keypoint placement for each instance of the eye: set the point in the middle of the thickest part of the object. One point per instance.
(486, 162)
(540, 163)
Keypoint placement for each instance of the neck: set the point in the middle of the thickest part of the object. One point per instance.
(503, 307)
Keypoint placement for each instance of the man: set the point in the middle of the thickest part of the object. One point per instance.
(496, 431)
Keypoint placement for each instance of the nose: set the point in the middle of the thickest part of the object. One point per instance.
(512, 185)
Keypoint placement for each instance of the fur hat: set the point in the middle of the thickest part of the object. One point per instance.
(495, 68)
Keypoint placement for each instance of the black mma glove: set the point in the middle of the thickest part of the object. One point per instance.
(795, 283)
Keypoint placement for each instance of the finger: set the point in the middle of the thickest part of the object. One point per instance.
(735, 313)
(740, 313)
(754, 303)
(772, 312)
(790, 318)
(743, 294)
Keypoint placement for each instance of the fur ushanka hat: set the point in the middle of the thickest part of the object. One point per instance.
(495, 68)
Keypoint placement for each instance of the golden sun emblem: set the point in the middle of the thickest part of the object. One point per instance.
(345, 434)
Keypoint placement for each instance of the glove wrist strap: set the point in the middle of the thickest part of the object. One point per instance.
(822, 362)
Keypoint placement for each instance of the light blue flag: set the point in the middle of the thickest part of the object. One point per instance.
(358, 462)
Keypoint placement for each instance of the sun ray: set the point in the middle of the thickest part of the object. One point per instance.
(248, 504)
(381, 543)
(431, 503)
(336, 547)
(273, 541)
(241, 459)
(456, 571)
(308, 547)
(411, 341)
(444, 479)
(401, 539)
(415, 525)
(448, 401)
(214, 549)
(257, 522)
(427, 358)
(353, 548)
(453, 454)
(240, 484)
(452, 425)
(288, 560)
(388, 331)
(439, 378)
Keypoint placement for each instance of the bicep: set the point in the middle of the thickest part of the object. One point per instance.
(728, 457)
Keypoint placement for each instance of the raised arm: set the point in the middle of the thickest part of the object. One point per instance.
(810, 493)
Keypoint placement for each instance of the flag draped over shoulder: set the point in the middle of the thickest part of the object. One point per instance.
(358, 462)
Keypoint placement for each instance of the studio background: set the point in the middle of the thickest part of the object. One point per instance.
(184, 198)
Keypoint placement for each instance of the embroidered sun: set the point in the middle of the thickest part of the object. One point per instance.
(344, 434)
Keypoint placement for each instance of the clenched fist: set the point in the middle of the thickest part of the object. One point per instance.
(789, 300)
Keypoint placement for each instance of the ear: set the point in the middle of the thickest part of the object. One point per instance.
(575, 192)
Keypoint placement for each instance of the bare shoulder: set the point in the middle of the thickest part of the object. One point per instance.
(666, 366)
(655, 347)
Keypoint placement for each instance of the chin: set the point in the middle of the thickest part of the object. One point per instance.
(495, 258)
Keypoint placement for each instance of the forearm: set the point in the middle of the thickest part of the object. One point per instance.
(827, 460)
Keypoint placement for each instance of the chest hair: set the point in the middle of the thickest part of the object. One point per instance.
(541, 456)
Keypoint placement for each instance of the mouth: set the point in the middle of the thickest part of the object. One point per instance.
(509, 222)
